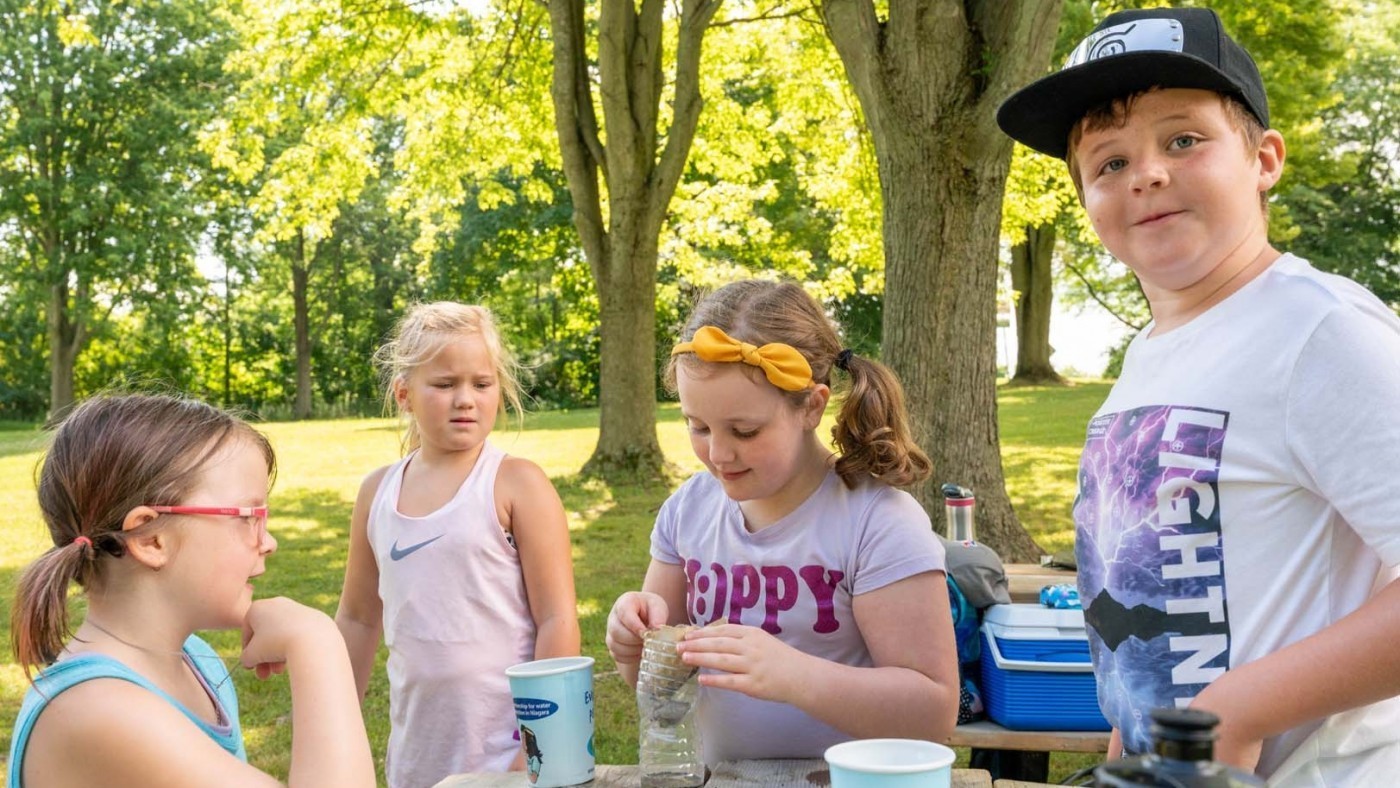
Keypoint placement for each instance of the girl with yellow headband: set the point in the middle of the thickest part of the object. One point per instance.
(822, 584)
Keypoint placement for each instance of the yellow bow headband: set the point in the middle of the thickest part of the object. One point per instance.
(781, 364)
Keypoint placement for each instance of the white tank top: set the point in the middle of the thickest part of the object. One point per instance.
(455, 617)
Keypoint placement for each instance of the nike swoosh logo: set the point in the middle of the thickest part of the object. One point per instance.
(398, 555)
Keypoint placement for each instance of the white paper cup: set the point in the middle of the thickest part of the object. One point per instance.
(890, 763)
(554, 709)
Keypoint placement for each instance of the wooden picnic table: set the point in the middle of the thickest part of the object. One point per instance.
(729, 774)
(988, 735)
(1024, 581)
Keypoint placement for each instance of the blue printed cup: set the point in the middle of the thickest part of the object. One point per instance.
(554, 709)
(890, 763)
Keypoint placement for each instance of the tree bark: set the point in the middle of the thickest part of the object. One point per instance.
(639, 183)
(929, 79)
(1035, 293)
(65, 340)
(301, 275)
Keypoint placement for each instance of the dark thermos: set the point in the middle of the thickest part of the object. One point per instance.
(1183, 743)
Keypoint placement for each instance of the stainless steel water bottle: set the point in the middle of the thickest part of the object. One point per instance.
(959, 503)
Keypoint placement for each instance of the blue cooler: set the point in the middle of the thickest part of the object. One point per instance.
(1036, 674)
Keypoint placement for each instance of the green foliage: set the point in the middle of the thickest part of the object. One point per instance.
(1349, 219)
(100, 191)
(781, 181)
(413, 145)
(23, 393)
(521, 258)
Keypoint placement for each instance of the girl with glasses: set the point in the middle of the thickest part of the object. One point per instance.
(157, 507)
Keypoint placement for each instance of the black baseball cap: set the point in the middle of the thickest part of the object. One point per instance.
(1128, 52)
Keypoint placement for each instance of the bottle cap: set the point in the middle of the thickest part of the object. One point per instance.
(953, 492)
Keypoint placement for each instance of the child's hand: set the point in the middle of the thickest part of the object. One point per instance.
(274, 628)
(1243, 755)
(749, 659)
(632, 615)
(1236, 744)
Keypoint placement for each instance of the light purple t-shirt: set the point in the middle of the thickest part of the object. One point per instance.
(796, 579)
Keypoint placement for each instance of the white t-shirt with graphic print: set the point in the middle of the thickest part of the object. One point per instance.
(1237, 493)
(796, 579)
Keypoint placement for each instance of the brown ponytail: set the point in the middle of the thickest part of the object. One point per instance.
(41, 603)
(872, 429)
(110, 455)
(872, 432)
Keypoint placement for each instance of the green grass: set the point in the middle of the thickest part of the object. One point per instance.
(321, 464)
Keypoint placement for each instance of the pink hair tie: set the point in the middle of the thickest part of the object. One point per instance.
(83, 540)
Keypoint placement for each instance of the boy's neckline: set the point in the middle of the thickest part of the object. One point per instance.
(1235, 282)
(1210, 319)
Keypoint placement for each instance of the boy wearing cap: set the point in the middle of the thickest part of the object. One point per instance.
(1237, 519)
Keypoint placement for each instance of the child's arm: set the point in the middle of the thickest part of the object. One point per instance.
(1349, 664)
(910, 692)
(360, 615)
(661, 601)
(536, 518)
(329, 743)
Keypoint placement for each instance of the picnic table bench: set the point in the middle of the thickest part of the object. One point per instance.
(988, 735)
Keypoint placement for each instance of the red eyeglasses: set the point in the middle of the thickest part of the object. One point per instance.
(258, 513)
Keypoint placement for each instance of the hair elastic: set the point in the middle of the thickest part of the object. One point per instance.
(843, 360)
(82, 540)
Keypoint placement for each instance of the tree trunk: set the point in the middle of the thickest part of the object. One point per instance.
(639, 183)
(65, 339)
(1030, 278)
(300, 284)
(929, 79)
(627, 444)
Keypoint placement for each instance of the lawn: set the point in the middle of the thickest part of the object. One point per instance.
(321, 464)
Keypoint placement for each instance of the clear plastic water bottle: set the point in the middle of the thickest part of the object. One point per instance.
(667, 691)
(959, 502)
(1183, 743)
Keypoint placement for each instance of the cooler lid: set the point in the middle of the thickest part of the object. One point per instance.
(1033, 615)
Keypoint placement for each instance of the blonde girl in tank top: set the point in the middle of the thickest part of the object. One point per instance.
(459, 554)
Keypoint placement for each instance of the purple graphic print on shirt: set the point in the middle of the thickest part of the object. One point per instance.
(1151, 567)
(714, 592)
